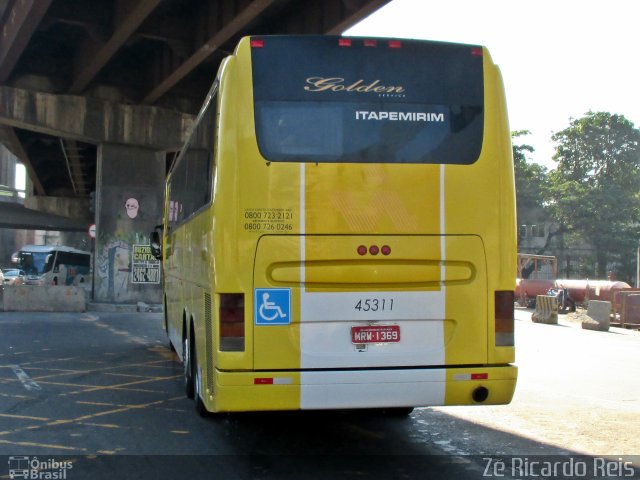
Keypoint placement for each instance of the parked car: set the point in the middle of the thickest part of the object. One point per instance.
(13, 276)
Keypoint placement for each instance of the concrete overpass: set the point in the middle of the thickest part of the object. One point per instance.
(97, 97)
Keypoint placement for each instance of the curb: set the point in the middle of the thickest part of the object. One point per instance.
(123, 307)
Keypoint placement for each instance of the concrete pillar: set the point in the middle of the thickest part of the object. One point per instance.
(129, 200)
(7, 167)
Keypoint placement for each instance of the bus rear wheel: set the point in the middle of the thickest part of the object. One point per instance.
(397, 412)
(188, 369)
(197, 376)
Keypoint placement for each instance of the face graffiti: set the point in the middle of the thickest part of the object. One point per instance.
(132, 207)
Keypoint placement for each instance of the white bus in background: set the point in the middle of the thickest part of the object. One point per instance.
(54, 265)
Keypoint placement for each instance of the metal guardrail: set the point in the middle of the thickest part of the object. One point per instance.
(8, 194)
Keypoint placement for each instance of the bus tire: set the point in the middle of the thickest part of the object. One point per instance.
(166, 326)
(398, 412)
(196, 375)
(188, 369)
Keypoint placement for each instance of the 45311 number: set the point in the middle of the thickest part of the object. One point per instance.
(374, 305)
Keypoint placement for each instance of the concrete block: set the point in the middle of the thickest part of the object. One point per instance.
(598, 316)
(546, 310)
(36, 298)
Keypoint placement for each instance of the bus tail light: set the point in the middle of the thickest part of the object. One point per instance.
(395, 44)
(344, 42)
(257, 43)
(504, 318)
(231, 322)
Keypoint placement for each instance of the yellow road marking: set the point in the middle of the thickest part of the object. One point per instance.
(24, 417)
(105, 404)
(131, 375)
(165, 353)
(49, 360)
(99, 404)
(103, 425)
(123, 385)
(63, 372)
(22, 397)
(82, 418)
(90, 389)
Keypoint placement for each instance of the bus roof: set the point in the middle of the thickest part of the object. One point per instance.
(50, 248)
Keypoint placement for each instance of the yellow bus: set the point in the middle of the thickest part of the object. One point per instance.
(340, 231)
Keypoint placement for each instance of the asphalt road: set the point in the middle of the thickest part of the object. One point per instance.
(104, 392)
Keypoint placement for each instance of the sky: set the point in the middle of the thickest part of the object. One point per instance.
(559, 58)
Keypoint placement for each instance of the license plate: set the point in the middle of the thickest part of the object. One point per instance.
(375, 334)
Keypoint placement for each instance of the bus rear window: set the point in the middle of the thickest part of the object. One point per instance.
(318, 102)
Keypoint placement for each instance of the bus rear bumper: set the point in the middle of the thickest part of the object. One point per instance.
(322, 390)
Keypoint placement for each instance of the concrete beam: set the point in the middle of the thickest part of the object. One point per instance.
(20, 25)
(94, 121)
(74, 208)
(98, 58)
(231, 28)
(14, 215)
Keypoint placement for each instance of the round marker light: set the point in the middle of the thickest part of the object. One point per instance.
(386, 250)
(362, 250)
(373, 250)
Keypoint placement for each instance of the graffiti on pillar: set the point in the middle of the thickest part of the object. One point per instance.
(132, 206)
(113, 266)
(145, 267)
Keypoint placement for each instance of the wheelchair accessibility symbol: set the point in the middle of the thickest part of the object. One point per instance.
(272, 306)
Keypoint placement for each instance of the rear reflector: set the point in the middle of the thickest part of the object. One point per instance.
(476, 51)
(395, 44)
(257, 43)
(231, 314)
(344, 42)
(273, 381)
(370, 43)
(462, 377)
(504, 318)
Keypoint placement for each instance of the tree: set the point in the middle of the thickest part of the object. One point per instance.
(595, 187)
(531, 184)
